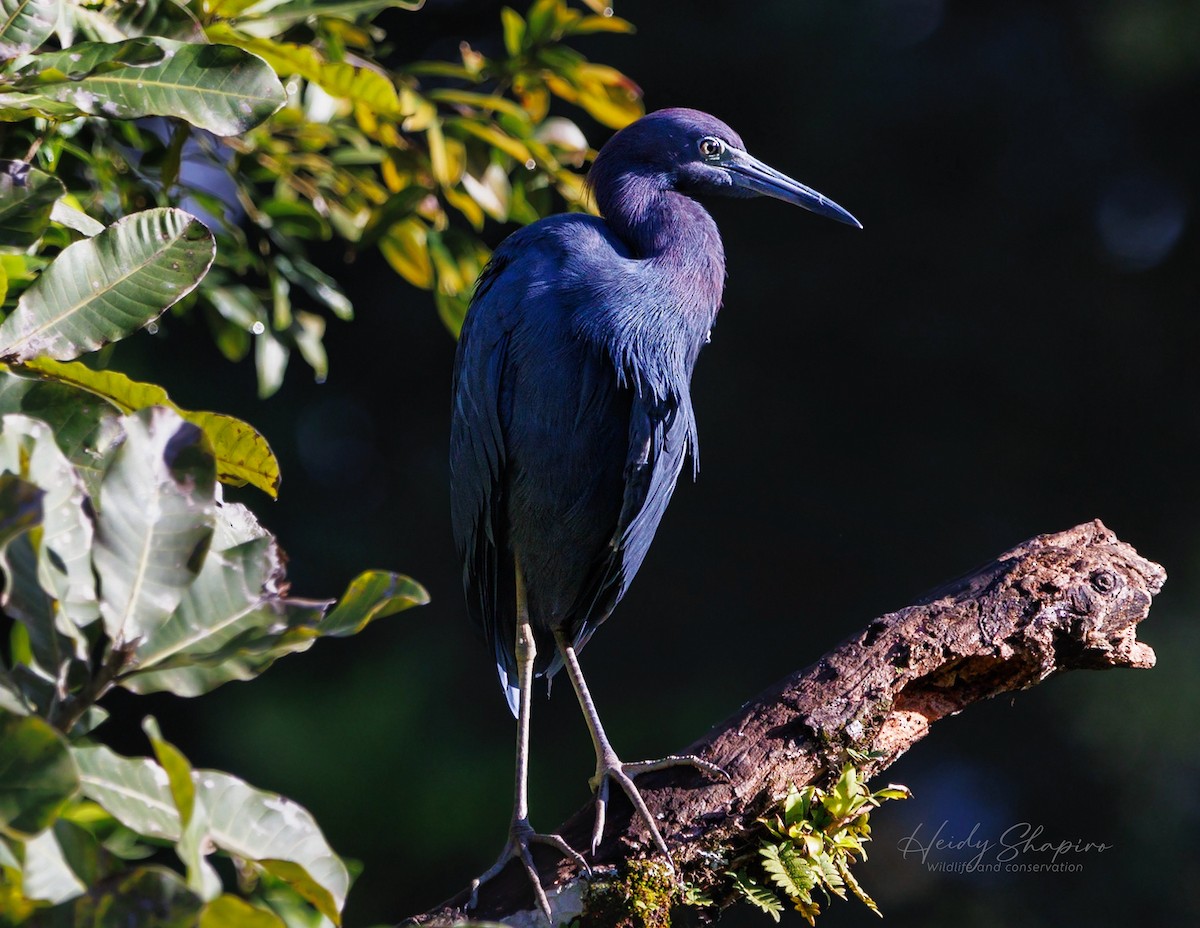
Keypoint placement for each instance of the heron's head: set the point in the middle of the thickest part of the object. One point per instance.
(696, 154)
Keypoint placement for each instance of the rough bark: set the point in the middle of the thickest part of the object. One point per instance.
(1065, 601)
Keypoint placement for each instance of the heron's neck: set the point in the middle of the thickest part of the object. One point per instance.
(672, 230)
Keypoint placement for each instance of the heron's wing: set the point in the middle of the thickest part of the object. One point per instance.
(661, 433)
(477, 465)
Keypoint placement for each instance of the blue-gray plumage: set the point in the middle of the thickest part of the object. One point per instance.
(572, 412)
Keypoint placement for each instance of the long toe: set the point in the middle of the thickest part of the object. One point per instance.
(677, 760)
(521, 836)
(612, 769)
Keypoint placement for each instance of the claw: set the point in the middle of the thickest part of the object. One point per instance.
(521, 836)
(611, 768)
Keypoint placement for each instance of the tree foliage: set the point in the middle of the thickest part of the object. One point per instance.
(162, 155)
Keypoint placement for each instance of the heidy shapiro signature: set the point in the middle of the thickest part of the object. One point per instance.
(1021, 838)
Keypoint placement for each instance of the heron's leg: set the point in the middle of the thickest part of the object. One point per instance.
(609, 767)
(520, 833)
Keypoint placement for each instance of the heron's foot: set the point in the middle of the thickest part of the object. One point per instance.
(611, 769)
(520, 836)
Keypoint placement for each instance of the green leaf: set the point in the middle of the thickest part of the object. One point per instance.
(276, 18)
(134, 790)
(38, 647)
(242, 453)
(67, 215)
(220, 88)
(178, 770)
(757, 894)
(20, 507)
(514, 31)
(319, 285)
(155, 521)
(84, 427)
(234, 592)
(46, 876)
(15, 107)
(372, 595)
(489, 102)
(258, 826)
(270, 360)
(26, 24)
(101, 289)
(192, 846)
(231, 912)
(32, 72)
(37, 774)
(493, 136)
(279, 835)
(843, 868)
(64, 566)
(147, 897)
(601, 24)
(337, 78)
(404, 247)
(847, 795)
(27, 197)
(789, 871)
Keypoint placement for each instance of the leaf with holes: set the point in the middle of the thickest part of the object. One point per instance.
(237, 590)
(155, 521)
(101, 289)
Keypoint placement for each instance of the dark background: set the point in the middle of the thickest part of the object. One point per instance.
(1009, 348)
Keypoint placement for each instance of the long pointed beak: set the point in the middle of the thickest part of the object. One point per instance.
(749, 173)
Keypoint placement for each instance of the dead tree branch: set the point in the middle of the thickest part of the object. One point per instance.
(1066, 601)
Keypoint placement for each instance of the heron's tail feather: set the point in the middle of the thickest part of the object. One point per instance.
(512, 692)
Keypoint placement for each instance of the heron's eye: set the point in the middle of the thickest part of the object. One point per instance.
(711, 148)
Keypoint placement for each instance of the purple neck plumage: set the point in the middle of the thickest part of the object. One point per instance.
(668, 228)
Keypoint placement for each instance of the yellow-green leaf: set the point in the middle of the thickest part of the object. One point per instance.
(242, 453)
(231, 912)
(403, 246)
(492, 135)
(337, 78)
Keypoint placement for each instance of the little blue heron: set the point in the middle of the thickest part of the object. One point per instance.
(572, 415)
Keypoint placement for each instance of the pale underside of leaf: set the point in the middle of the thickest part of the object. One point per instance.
(101, 289)
(155, 520)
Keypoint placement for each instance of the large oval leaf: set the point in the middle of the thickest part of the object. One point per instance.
(278, 834)
(220, 88)
(274, 832)
(26, 24)
(232, 593)
(134, 790)
(155, 522)
(103, 288)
